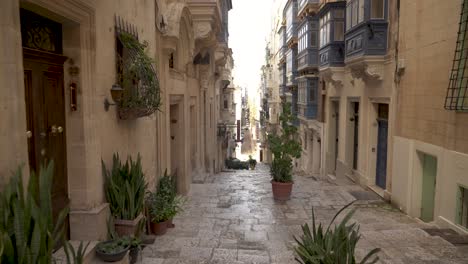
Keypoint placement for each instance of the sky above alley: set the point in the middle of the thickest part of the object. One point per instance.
(249, 29)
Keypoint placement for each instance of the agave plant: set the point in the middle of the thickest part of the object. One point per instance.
(331, 246)
(28, 232)
(125, 188)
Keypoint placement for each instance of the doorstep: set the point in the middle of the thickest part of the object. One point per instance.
(381, 192)
(90, 255)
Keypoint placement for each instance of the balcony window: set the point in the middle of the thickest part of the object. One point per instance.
(313, 39)
(303, 37)
(361, 11)
(377, 9)
(325, 29)
(339, 13)
(348, 17)
(313, 91)
(302, 86)
(289, 20)
(289, 62)
(339, 31)
(355, 11)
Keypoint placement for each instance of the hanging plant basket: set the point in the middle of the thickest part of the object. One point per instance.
(135, 112)
(136, 75)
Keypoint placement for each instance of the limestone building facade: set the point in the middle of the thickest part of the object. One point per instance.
(336, 68)
(67, 50)
(430, 152)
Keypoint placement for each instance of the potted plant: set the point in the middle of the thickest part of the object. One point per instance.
(135, 246)
(159, 211)
(112, 250)
(252, 162)
(125, 192)
(175, 208)
(285, 147)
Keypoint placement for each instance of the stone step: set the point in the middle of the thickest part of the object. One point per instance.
(90, 255)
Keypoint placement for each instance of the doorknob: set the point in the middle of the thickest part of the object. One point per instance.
(54, 129)
(29, 134)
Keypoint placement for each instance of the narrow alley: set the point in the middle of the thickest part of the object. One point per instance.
(232, 218)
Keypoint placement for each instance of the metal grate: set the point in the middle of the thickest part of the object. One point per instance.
(457, 98)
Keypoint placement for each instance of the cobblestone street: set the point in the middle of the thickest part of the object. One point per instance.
(232, 218)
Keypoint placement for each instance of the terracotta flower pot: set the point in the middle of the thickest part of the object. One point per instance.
(281, 190)
(127, 227)
(159, 229)
(170, 224)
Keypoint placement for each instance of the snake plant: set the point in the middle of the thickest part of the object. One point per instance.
(125, 188)
(75, 256)
(28, 232)
(331, 246)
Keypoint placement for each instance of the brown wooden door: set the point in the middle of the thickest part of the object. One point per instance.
(45, 111)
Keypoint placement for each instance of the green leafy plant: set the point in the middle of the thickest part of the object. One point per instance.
(177, 206)
(132, 242)
(75, 257)
(235, 164)
(252, 161)
(113, 246)
(139, 80)
(331, 246)
(125, 188)
(284, 146)
(159, 208)
(164, 203)
(28, 231)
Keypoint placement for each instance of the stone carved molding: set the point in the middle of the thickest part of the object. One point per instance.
(206, 22)
(333, 75)
(174, 15)
(205, 76)
(367, 68)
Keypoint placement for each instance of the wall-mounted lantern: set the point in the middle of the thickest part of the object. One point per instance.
(116, 93)
(222, 128)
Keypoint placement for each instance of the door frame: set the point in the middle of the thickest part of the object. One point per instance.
(423, 158)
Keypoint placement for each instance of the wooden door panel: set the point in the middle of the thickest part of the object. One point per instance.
(45, 105)
(381, 168)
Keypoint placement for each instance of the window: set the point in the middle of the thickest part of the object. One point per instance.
(339, 13)
(339, 31)
(361, 11)
(225, 104)
(462, 209)
(313, 39)
(355, 12)
(302, 91)
(313, 91)
(289, 62)
(377, 9)
(348, 16)
(354, 15)
(325, 30)
(289, 20)
(303, 37)
(457, 97)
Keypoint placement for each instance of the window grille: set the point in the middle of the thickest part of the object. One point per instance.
(457, 98)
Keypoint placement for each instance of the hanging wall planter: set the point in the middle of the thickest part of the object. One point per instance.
(136, 75)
